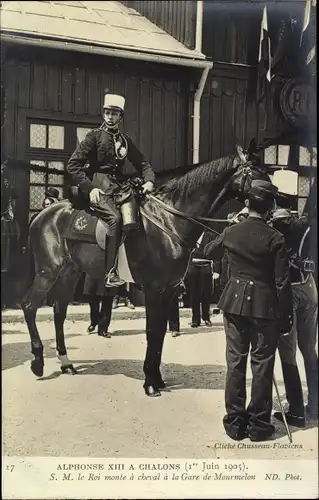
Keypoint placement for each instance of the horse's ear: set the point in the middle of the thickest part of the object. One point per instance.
(240, 153)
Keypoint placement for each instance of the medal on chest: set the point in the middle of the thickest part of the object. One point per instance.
(120, 146)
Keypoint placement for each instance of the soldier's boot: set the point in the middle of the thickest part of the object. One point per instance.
(112, 278)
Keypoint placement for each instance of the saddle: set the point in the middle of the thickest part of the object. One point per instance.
(86, 227)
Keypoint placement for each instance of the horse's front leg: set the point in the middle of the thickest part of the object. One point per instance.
(60, 309)
(156, 321)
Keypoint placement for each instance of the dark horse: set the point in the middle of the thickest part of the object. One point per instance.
(158, 259)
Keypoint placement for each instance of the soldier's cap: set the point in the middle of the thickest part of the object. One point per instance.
(114, 101)
(52, 192)
(281, 213)
(262, 189)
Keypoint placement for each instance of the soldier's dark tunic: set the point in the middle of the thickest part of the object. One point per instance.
(106, 151)
(200, 283)
(255, 297)
(298, 237)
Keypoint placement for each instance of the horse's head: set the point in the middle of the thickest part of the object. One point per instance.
(248, 169)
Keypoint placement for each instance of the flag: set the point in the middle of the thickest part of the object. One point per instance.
(264, 59)
(280, 64)
(307, 38)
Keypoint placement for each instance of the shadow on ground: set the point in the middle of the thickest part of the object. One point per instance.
(184, 331)
(177, 376)
(18, 353)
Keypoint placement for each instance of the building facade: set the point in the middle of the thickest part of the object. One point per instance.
(188, 70)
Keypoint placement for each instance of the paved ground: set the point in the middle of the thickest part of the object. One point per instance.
(103, 412)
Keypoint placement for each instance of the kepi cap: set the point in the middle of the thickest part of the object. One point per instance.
(262, 189)
(114, 101)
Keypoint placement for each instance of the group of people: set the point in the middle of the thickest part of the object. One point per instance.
(269, 296)
(269, 301)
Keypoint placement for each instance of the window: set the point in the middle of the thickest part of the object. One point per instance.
(277, 155)
(40, 180)
(46, 136)
(307, 157)
(304, 185)
(50, 145)
(81, 133)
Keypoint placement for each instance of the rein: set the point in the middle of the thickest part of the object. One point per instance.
(183, 215)
(194, 220)
(198, 221)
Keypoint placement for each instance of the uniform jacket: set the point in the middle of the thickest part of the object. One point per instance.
(198, 252)
(106, 152)
(300, 245)
(258, 284)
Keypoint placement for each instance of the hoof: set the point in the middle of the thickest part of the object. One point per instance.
(69, 369)
(151, 391)
(37, 367)
(106, 335)
(175, 334)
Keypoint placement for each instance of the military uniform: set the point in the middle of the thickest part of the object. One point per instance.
(256, 303)
(297, 233)
(200, 283)
(106, 151)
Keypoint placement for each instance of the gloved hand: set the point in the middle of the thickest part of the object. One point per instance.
(148, 187)
(95, 195)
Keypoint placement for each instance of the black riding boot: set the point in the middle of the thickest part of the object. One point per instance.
(112, 278)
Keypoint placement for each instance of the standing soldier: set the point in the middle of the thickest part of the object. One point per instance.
(297, 234)
(106, 149)
(257, 307)
(200, 283)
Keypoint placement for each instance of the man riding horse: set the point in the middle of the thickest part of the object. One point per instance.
(106, 149)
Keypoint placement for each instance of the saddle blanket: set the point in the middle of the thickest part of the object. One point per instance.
(90, 229)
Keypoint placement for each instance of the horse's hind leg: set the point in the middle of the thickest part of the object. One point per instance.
(31, 302)
(64, 290)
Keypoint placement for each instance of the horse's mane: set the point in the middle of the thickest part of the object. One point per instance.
(193, 176)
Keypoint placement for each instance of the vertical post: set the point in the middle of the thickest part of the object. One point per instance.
(196, 114)
(199, 25)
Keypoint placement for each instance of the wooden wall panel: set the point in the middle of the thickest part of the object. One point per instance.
(157, 99)
(23, 70)
(94, 93)
(39, 86)
(176, 17)
(53, 88)
(227, 117)
(80, 92)
(67, 91)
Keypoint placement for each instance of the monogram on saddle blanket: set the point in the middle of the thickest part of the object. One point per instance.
(86, 227)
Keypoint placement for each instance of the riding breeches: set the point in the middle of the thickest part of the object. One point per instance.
(106, 208)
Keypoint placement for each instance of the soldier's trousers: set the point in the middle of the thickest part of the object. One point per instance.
(200, 285)
(304, 333)
(261, 337)
(107, 210)
(101, 309)
(173, 317)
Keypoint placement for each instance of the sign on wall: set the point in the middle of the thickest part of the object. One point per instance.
(298, 102)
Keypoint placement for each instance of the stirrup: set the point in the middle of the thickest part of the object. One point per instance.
(117, 280)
